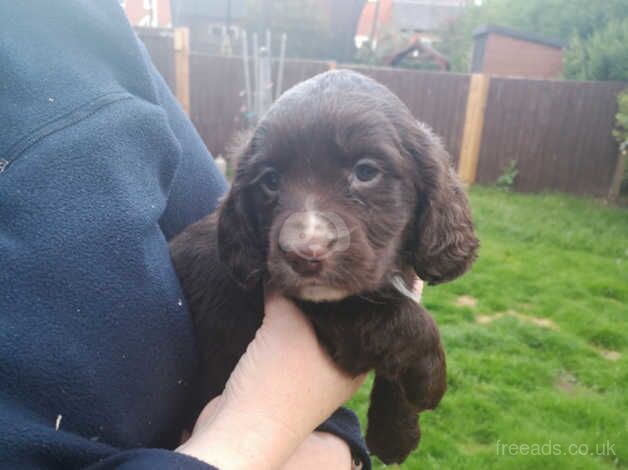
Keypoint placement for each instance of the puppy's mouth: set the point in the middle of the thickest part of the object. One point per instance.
(321, 293)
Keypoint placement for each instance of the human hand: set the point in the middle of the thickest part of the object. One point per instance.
(283, 387)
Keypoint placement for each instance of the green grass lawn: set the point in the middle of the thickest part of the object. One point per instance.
(538, 353)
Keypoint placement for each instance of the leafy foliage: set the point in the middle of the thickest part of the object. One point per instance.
(621, 128)
(507, 178)
(315, 29)
(389, 41)
(621, 134)
(602, 56)
(309, 34)
(564, 19)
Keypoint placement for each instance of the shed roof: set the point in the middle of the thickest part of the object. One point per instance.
(519, 34)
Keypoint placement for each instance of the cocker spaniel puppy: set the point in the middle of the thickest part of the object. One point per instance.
(339, 200)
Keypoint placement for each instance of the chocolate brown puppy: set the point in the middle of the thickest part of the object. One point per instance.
(339, 200)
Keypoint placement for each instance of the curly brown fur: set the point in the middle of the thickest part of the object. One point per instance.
(338, 191)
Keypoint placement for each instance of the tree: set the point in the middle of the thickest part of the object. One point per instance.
(602, 56)
(316, 29)
(308, 34)
(344, 17)
(621, 135)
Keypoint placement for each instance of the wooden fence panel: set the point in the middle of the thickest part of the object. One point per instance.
(217, 99)
(218, 85)
(437, 99)
(296, 71)
(160, 44)
(558, 132)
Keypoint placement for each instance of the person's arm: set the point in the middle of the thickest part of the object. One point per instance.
(320, 450)
(97, 173)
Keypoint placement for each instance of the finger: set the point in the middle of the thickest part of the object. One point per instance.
(418, 287)
(279, 309)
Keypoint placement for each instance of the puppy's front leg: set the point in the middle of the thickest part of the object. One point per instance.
(424, 380)
(416, 383)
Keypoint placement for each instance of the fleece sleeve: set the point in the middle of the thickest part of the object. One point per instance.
(93, 331)
(197, 184)
(150, 459)
(344, 424)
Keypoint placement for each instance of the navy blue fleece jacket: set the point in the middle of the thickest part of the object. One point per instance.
(99, 167)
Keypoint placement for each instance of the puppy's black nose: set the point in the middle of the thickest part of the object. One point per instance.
(307, 255)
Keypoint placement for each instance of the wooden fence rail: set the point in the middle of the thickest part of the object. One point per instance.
(557, 132)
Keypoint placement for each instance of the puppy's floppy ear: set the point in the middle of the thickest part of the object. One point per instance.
(445, 243)
(239, 240)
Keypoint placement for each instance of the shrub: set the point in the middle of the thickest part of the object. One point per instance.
(621, 134)
(507, 178)
(621, 126)
(601, 56)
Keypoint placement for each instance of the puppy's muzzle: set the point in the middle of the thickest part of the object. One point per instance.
(309, 238)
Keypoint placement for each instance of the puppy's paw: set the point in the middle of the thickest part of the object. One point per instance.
(392, 442)
(393, 426)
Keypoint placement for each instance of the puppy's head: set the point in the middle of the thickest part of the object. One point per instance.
(338, 189)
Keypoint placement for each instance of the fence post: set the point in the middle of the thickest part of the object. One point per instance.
(182, 66)
(618, 177)
(473, 125)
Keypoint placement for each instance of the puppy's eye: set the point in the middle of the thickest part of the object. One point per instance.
(365, 172)
(270, 181)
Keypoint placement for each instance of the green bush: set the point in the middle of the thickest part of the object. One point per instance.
(621, 128)
(507, 178)
(601, 56)
(621, 134)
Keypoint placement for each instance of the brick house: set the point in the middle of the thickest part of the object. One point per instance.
(510, 52)
(152, 13)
